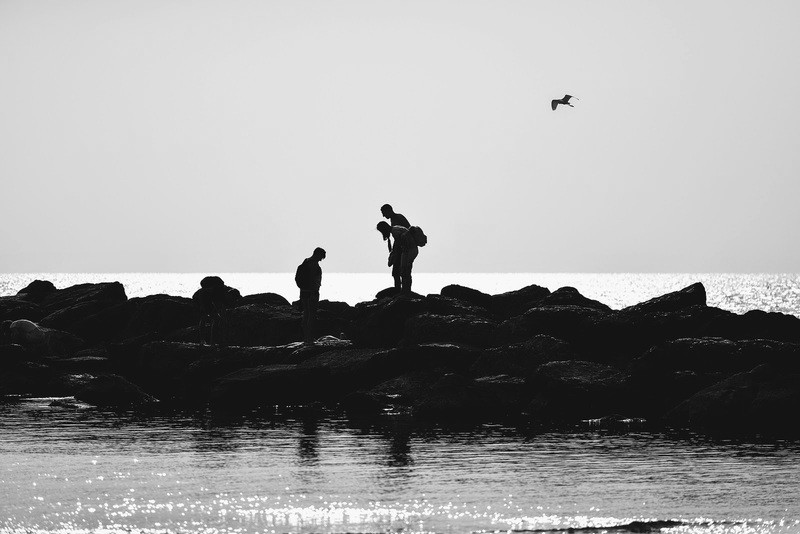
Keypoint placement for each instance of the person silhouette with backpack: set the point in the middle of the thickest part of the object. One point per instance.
(395, 219)
(308, 278)
(408, 240)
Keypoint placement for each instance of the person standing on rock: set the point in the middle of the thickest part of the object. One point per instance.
(308, 278)
(403, 240)
(395, 219)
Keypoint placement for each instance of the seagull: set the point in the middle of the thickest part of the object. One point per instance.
(564, 101)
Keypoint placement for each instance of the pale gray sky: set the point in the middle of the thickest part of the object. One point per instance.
(238, 135)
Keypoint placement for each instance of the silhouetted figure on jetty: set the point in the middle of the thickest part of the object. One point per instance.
(308, 278)
(213, 298)
(565, 101)
(395, 219)
(408, 240)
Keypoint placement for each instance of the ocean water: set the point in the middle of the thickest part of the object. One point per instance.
(736, 292)
(82, 471)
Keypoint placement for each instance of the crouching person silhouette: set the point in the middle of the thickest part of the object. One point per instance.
(409, 241)
(308, 278)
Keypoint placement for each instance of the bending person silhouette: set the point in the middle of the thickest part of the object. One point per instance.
(409, 250)
(395, 219)
(308, 278)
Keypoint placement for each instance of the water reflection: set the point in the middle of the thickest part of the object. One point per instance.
(312, 471)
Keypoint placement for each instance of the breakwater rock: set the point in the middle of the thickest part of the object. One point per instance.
(548, 358)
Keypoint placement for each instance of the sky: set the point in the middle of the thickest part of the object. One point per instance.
(236, 136)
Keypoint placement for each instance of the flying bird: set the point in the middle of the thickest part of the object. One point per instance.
(564, 101)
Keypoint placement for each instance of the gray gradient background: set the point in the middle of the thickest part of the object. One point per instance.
(238, 135)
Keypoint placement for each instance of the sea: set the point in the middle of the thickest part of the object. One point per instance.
(316, 470)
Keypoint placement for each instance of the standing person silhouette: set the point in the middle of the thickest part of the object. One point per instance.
(395, 219)
(409, 250)
(308, 278)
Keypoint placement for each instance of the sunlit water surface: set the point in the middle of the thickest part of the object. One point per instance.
(736, 292)
(83, 470)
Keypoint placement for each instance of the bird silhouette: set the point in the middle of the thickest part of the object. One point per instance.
(565, 101)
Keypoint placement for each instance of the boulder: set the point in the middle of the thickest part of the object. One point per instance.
(41, 341)
(693, 295)
(37, 291)
(699, 355)
(264, 299)
(441, 305)
(101, 294)
(468, 295)
(522, 359)
(570, 296)
(351, 369)
(269, 385)
(428, 327)
(440, 358)
(261, 325)
(570, 391)
(513, 303)
(620, 336)
(13, 308)
(567, 322)
(764, 399)
(756, 324)
(113, 391)
(381, 323)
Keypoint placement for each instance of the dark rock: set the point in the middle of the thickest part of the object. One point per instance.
(270, 384)
(571, 296)
(516, 302)
(522, 359)
(26, 378)
(381, 323)
(617, 423)
(37, 291)
(12, 355)
(428, 327)
(756, 324)
(41, 341)
(441, 305)
(621, 336)
(699, 355)
(440, 358)
(13, 308)
(93, 365)
(567, 322)
(114, 391)
(389, 292)
(467, 294)
(105, 294)
(261, 325)
(68, 384)
(268, 299)
(576, 390)
(763, 399)
(693, 295)
(352, 369)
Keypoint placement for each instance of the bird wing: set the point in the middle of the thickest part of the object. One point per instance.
(553, 104)
(566, 98)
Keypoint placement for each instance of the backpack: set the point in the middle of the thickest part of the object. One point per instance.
(419, 236)
(301, 276)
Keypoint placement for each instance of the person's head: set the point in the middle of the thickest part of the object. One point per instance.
(385, 230)
(387, 211)
(319, 254)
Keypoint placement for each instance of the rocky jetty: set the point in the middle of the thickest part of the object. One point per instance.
(548, 358)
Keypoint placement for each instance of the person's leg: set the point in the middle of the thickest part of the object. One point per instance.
(396, 261)
(409, 255)
(311, 316)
